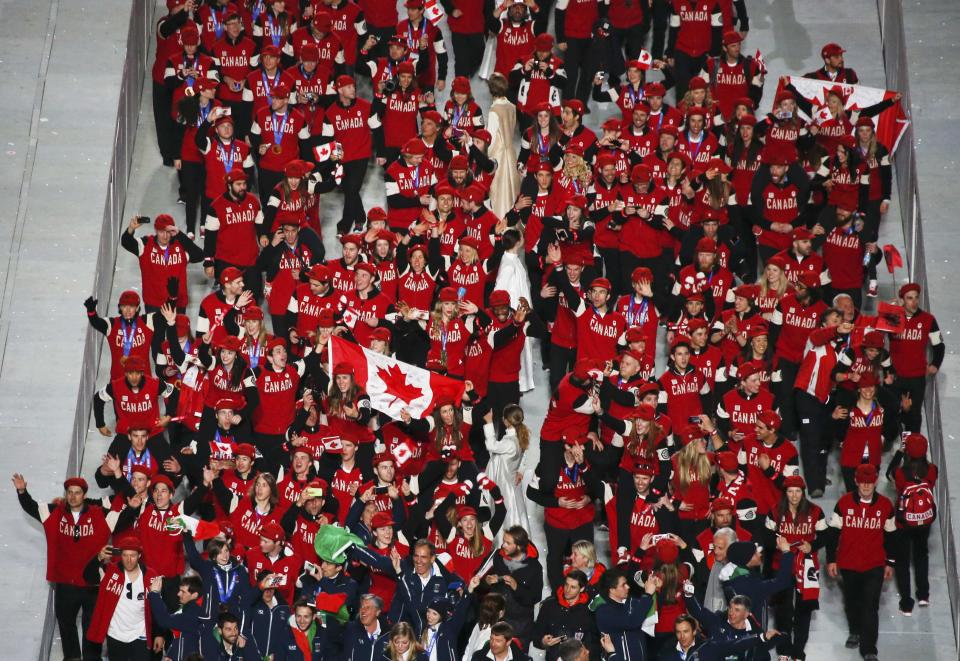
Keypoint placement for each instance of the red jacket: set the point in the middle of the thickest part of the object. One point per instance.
(110, 592)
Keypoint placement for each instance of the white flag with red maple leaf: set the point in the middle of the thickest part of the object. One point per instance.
(393, 385)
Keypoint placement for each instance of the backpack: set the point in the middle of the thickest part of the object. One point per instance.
(915, 506)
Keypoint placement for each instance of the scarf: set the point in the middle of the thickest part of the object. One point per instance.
(304, 639)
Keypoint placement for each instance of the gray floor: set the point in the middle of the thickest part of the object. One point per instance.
(797, 28)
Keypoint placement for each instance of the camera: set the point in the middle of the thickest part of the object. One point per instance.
(311, 98)
(143, 220)
(390, 86)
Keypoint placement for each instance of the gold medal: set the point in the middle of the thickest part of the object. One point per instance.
(276, 149)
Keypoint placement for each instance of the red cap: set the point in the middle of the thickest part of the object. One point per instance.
(481, 134)
(749, 292)
(719, 165)
(915, 445)
(697, 324)
(744, 101)
(499, 297)
(245, 450)
(907, 288)
(750, 368)
(414, 147)
(748, 120)
(863, 120)
(459, 162)
(129, 542)
(345, 81)
(654, 89)
(644, 412)
(465, 510)
(666, 551)
(129, 297)
(236, 174)
(75, 482)
(640, 173)
(322, 21)
(381, 520)
(578, 201)
(543, 42)
(473, 193)
(641, 274)
(783, 95)
(382, 457)
(190, 35)
(281, 90)
(696, 83)
(867, 380)
(679, 341)
(635, 334)
(770, 419)
(318, 272)
(802, 234)
(230, 274)
(460, 85)
(873, 340)
(601, 283)
(183, 325)
(644, 468)
(414, 4)
(366, 267)
(157, 480)
(470, 241)
(355, 239)
(731, 37)
(232, 403)
(270, 51)
(407, 68)
(164, 222)
(273, 531)
(275, 342)
(448, 295)
(831, 49)
(866, 474)
(134, 364)
(605, 160)
(576, 105)
(689, 433)
(612, 124)
(706, 244)
(724, 504)
(381, 334)
(682, 157)
(728, 461)
(310, 52)
(343, 368)
(326, 318)
(583, 368)
(432, 116)
(794, 481)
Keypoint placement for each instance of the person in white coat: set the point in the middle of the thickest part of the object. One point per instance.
(506, 463)
(512, 278)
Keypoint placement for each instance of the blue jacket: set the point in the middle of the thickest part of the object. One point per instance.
(448, 632)
(186, 620)
(237, 600)
(212, 649)
(624, 622)
(760, 589)
(357, 644)
(720, 631)
(266, 627)
(412, 597)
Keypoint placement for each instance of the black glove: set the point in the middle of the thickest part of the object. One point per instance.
(90, 304)
(173, 286)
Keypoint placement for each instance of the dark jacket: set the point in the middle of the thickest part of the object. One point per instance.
(186, 620)
(760, 589)
(520, 602)
(624, 622)
(412, 597)
(719, 630)
(575, 620)
(266, 627)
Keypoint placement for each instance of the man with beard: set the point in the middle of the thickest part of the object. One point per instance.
(231, 230)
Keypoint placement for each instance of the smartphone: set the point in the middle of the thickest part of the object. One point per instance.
(314, 492)
(227, 112)
(657, 538)
(461, 293)
(143, 220)
(278, 580)
(309, 567)
(379, 491)
(694, 420)
(114, 550)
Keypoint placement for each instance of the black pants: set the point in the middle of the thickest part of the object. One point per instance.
(271, 447)
(543, 16)
(871, 221)
(68, 601)
(279, 324)
(380, 50)
(467, 53)
(267, 180)
(793, 620)
(913, 543)
(916, 386)
(353, 212)
(785, 398)
(559, 541)
(162, 100)
(192, 181)
(579, 70)
(561, 362)
(242, 117)
(661, 15)
(624, 44)
(499, 395)
(849, 477)
(766, 252)
(611, 270)
(551, 458)
(133, 651)
(252, 277)
(685, 67)
(815, 439)
(861, 603)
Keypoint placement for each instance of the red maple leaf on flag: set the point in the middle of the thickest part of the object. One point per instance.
(396, 382)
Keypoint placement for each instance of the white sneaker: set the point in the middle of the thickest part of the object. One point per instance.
(923, 603)
(906, 613)
(872, 289)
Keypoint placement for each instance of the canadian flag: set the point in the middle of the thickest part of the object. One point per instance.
(758, 58)
(891, 123)
(433, 10)
(645, 59)
(822, 116)
(392, 385)
(325, 151)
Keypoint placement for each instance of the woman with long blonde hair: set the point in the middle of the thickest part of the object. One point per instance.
(403, 645)
(692, 471)
(773, 287)
(506, 460)
(576, 176)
